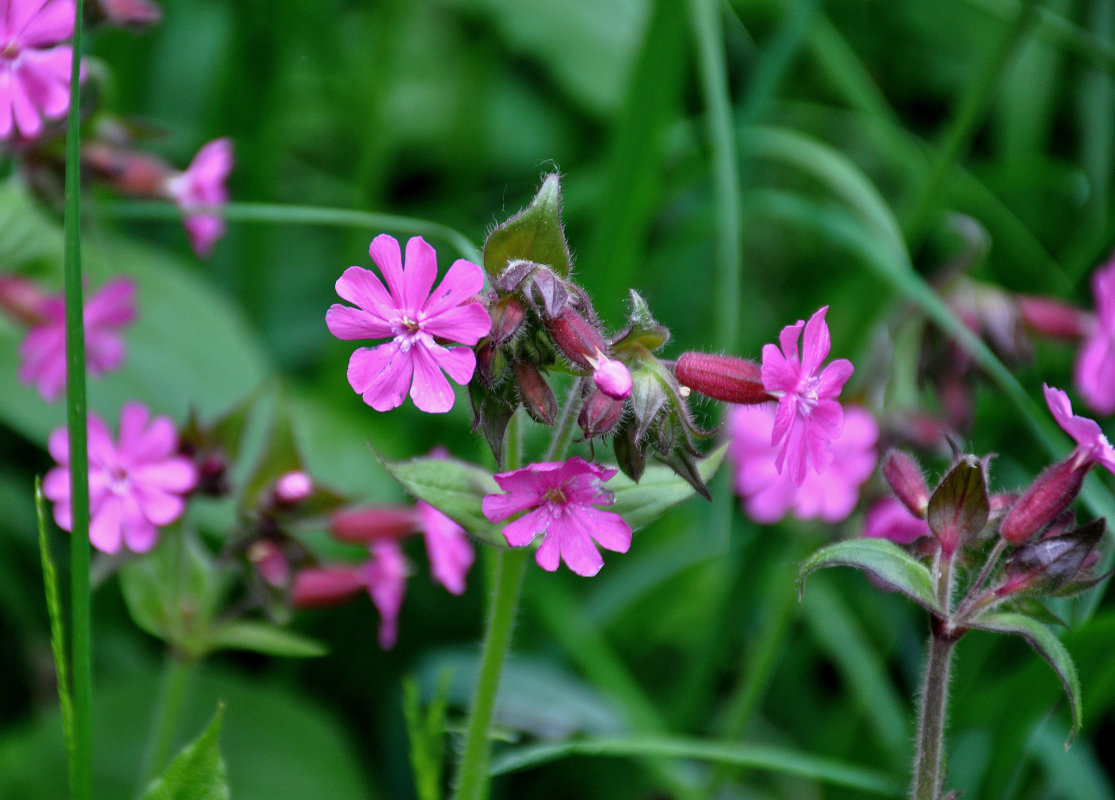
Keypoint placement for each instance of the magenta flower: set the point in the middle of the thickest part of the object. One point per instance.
(1095, 364)
(413, 318)
(34, 73)
(890, 519)
(385, 575)
(808, 416)
(1092, 446)
(769, 495)
(136, 485)
(43, 350)
(448, 547)
(560, 499)
(200, 193)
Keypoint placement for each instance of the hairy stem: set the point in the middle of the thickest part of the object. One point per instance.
(928, 778)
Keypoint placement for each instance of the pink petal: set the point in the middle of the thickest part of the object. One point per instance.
(522, 531)
(58, 445)
(419, 275)
(606, 528)
(430, 391)
(817, 342)
(56, 485)
(449, 549)
(784, 419)
(386, 576)
(549, 554)
(113, 305)
(465, 324)
(463, 281)
(178, 475)
(46, 25)
(1095, 372)
(6, 121)
(140, 535)
(346, 322)
(791, 458)
(833, 378)
(459, 362)
(27, 117)
(385, 252)
(105, 532)
(778, 374)
(498, 507)
(362, 288)
(788, 339)
(158, 506)
(577, 550)
(381, 375)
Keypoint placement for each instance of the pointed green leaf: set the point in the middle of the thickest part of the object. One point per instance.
(534, 234)
(643, 330)
(1048, 646)
(659, 489)
(197, 773)
(884, 560)
(426, 733)
(455, 488)
(57, 623)
(259, 637)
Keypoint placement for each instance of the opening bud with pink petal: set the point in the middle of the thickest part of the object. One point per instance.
(725, 378)
(907, 481)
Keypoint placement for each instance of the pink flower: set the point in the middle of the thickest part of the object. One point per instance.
(890, 519)
(448, 547)
(561, 500)
(1095, 365)
(200, 193)
(413, 318)
(612, 378)
(808, 416)
(136, 485)
(769, 495)
(385, 576)
(34, 74)
(43, 350)
(1092, 446)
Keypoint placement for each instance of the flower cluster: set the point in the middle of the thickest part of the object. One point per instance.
(34, 64)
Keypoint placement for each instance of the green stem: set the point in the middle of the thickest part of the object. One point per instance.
(301, 215)
(563, 431)
(172, 694)
(472, 776)
(931, 720)
(81, 767)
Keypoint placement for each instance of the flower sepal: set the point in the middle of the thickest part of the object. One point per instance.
(534, 234)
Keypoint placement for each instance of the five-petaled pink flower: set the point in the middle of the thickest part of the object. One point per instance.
(808, 416)
(1095, 364)
(34, 72)
(200, 193)
(1092, 446)
(43, 350)
(136, 485)
(414, 318)
(769, 495)
(560, 499)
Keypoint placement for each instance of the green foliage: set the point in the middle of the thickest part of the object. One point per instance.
(883, 560)
(196, 773)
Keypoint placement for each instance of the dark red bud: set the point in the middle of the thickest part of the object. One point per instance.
(600, 414)
(1053, 318)
(1046, 497)
(535, 393)
(128, 171)
(1052, 563)
(269, 561)
(507, 319)
(576, 338)
(364, 525)
(726, 378)
(318, 587)
(907, 481)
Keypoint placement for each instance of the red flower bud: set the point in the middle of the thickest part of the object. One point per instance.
(363, 525)
(907, 481)
(535, 393)
(600, 414)
(725, 378)
(576, 338)
(1047, 497)
(1053, 318)
(293, 487)
(130, 13)
(128, 171)
(507, 319)
(318, 587)
(22, 300)
(269, 561)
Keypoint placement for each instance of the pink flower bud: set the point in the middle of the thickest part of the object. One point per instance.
(22, 300)
(612, 378)
(269, 561)
(318, 587)
(127, 171)
(535, 393)
(725, 378)
(507, 319)
(907, 481)
(293, 487)
(364, 525)
(1047, 496)
(576, 338)
(129, 13)
(1053, 318)
(600, 414)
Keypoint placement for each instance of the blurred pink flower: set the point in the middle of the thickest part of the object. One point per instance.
(561, 500)
(1092, 446)
(890, 519)
(1095, 364)
(413, 318)
(136, 485)
(43, 350)
(448, 547)
(768, 496)
(200, 193)
(34, 73)
(385, 576)
(808, 416)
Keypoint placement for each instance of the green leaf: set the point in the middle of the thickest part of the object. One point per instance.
(1048, 646)
(455, 488)
(534, 234)
(426, 732)
(958, 508)
(196, 773)
(259, 637)
(884, 560)
(659, 489)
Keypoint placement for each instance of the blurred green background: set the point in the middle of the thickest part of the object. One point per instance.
(864, 135)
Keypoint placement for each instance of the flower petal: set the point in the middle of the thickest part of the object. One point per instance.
(817, 342)
(522, 531)
(430, 391)
(105, 532)
(348, 323)
(419, 274)
(465, 324)
(386, 254)
(362, 288)
(381, 375)
(463, 281)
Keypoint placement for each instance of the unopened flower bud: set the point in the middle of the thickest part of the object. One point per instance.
(630, 456)
(600, 414)
(128, 171)
(534, 392)
(269, 561)
(959, 507)
(507, 315)
(364, 525)
(725, 378)
(1050, 494)
(1053, 318)
(126, 13)
(318, 587)
(907, 481)
(22, 300)
(611, 377)
(576, 338)
(293, 487)
(1052, 563)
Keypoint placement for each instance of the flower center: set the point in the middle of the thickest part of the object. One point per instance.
(555, 496)
(808, 398)
(408, 330)
(118, 482)
(10, 51)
